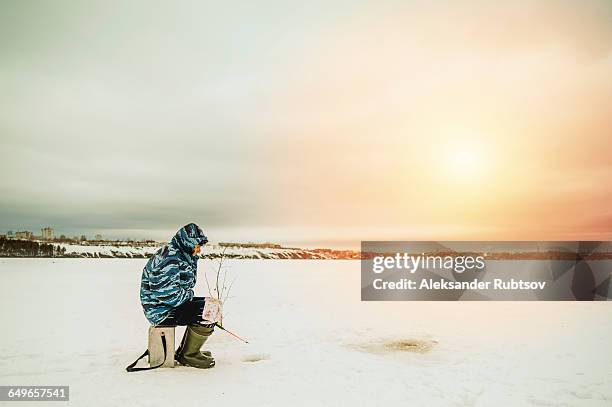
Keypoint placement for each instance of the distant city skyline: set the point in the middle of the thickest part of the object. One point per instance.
(78, 235)
(48, 233)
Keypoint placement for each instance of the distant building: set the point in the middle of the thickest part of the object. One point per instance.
(98, 237)
(83, 238)
(47, 233)
(23, 235)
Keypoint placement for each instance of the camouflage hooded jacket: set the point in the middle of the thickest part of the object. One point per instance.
(170, 274)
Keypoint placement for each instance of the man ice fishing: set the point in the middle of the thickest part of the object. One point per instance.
(166, 294)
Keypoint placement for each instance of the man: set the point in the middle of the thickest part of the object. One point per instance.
(166, 294)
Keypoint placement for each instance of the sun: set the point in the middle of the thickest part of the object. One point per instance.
(465, 160)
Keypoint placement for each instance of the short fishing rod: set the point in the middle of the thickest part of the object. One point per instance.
(231, 333)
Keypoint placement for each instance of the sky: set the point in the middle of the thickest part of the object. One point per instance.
(317, 123)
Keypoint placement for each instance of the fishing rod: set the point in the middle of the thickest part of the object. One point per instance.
(231, 333)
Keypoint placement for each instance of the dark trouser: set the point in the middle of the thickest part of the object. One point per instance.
(189, 312)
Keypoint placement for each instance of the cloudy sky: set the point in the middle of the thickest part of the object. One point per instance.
(308, 122)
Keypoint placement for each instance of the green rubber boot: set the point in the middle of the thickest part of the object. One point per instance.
(205, 353)
(189, 353)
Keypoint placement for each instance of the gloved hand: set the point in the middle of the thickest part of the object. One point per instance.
(213, 310)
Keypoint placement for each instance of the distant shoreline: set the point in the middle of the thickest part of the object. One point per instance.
(16, 248)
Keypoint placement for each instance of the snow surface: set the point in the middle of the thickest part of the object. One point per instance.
(78, 322)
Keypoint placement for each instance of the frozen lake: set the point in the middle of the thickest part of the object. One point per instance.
(78, 322)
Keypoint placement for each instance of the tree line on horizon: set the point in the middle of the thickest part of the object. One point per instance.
(28, 248)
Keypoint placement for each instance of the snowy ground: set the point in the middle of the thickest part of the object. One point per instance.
(78, 322)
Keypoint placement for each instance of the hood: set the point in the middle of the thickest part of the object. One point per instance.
(188, 237)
